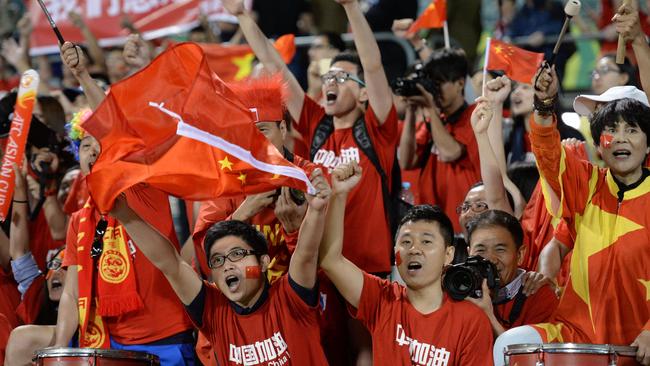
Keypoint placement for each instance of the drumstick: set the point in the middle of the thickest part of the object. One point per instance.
(51, 21)
(620, 50)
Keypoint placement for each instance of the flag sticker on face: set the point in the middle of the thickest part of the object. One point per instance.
(398, 259)
(606, 140)
(253, 272)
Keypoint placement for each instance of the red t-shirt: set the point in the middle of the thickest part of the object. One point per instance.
(9, 297)
(458, 333)
(367, 240)
(537, 309)
(446, 184)
(281, 244)
(5, 331)
(163, 314)
(282, 331)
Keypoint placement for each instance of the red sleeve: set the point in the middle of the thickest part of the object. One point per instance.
(310, 115)
(70, 257)
(212, 310)
(5, 330)
(540, 306)
(371, 301)
(565, 179)
(464, 134)
(476, 340)
(152, 205)
(32, 301)
(563, 234)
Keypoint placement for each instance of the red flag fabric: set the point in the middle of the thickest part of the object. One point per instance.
(520, 65)
(434, 16)
(235, 63)
(150, 124)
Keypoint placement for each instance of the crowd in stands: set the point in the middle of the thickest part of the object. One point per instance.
(469, 168)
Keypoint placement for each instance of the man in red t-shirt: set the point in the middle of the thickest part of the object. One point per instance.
(497, 236)
(447, 150)
(417, 324)
(246, 320)
(355, 89)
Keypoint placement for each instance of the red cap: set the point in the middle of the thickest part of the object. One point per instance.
(264, 96)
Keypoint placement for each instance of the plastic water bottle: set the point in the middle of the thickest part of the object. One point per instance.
(405, 194)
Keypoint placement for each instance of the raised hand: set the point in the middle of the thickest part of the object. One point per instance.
(24, 26)
(497, 90)
(73, 57)
(320, 200)
(345, 177)
(546, 82)
(76, 19)
(136, 52)
(481, 115)
(288, 212)
(400, 28)
(627, 23)
(234, 7)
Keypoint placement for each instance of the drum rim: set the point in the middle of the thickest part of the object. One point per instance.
(96, 352)
(518, 349)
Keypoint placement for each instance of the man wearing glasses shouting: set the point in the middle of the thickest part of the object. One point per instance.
(246, 320)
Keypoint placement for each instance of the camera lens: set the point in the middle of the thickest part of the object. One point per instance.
(459, 282)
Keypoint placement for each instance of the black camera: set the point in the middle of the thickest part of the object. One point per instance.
(407, 86)
(297, 196)
(466, 279)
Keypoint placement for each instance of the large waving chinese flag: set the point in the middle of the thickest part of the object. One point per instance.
(520, 65)
(235, 63)
(434, 16)
(177, 127)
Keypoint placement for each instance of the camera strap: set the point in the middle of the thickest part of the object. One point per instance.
(515, 312)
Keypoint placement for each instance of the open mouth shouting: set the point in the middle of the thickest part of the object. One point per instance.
(330, 97)
(232, 282)
(413, 267)
(621, 154)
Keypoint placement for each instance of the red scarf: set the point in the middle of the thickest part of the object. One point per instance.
(116, 289)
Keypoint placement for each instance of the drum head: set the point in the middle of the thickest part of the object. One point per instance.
(141, 357)
(604, 349)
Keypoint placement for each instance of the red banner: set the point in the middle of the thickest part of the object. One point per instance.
(17, 138)
(153, 18)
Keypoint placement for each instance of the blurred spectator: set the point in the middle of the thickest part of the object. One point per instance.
(10, 12)
(329, 17)
(279, 17)
(464, 19)
(608, 29)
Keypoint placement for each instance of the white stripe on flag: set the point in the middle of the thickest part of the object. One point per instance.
(237, 151)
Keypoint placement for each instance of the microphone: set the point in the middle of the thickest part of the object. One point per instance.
(571, 9)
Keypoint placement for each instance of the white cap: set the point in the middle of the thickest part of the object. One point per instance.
(585, 105)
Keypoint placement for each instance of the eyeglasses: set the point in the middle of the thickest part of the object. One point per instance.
(340, 77)
(475, 206)
(235, 255)
(54, 264)
(604, 70)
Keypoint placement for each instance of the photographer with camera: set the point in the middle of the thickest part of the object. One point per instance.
(448, 154)
(492, 277)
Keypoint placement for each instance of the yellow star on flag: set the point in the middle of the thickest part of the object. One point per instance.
(646, 284)
(225, 164)
(498, 49)
(244, 65)
(275, 176)
(601, 236)
(242, 178)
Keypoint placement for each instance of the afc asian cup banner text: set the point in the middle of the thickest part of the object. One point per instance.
(153, 18)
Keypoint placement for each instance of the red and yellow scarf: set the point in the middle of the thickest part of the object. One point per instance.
(111, 293)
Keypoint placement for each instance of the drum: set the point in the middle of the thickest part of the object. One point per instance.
(92, 357)
(570, 354)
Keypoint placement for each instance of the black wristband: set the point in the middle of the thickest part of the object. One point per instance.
(20, 201)
(545, 106)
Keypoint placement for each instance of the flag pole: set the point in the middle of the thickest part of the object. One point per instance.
(485, 65)
(445, 31)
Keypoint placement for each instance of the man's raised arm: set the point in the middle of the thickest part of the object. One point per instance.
(267, 54)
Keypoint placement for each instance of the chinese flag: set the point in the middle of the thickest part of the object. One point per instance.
(520, 65)
(235, 63)
(434, 16)
(177, 127)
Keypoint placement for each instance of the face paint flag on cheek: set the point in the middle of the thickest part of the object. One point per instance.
(606, 140)
(398, 259)
(253, 272)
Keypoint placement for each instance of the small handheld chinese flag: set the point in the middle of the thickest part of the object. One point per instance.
(434, 16)
(520, 65)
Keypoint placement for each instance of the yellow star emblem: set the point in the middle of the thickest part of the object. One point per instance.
(498, 49)
(646, 284)
(242, 178)
(604, 230)
(244, 65)
(275, 176)
(225, 164)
